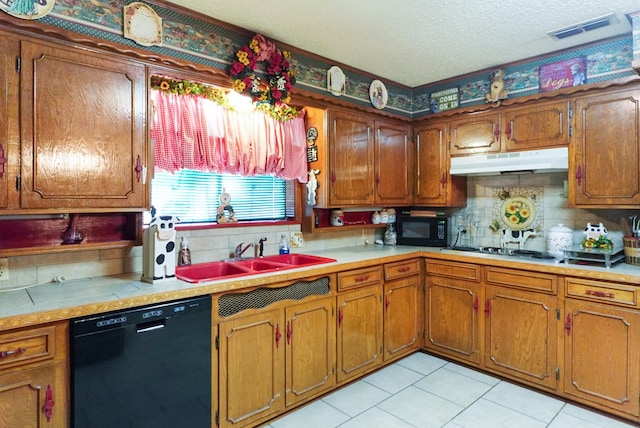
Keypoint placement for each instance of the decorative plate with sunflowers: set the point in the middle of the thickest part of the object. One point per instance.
(518, 213)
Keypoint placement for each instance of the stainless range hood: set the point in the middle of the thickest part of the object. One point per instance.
(543, 160)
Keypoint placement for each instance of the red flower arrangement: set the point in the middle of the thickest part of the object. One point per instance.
(263, 72)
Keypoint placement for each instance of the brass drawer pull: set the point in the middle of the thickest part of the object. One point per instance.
(5, 354)
(361, 278)
(599, 293)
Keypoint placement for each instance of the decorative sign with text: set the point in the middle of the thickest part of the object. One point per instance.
(446, 99)
(571, 72)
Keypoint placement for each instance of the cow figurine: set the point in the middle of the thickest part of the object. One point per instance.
(516, 236)
(159, 249)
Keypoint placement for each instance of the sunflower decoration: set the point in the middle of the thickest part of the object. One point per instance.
(263, 72)
(517, 212)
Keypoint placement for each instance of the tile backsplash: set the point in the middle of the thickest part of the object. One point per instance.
(216, 244)
(551, 210)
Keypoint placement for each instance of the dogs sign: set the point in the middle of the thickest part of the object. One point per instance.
(571, 72)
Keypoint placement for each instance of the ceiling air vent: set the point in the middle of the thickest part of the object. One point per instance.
(583, 27)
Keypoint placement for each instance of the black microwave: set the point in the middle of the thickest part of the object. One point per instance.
(417, 228)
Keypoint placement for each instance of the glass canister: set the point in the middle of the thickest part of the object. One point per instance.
(559, 237)
(390, 236)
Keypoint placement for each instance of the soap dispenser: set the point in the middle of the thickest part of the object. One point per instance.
(184, 256)
(284, 244)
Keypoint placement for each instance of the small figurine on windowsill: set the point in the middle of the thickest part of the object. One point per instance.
(225, 212)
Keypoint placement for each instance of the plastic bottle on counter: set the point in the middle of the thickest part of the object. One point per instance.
(184, 257)
(284, 244)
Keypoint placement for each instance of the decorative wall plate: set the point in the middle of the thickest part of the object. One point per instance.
(518, 213)
(27, 9)
(142, 24)
(336, 81)
(378, 94)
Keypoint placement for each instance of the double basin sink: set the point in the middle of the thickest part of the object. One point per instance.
(234, 268)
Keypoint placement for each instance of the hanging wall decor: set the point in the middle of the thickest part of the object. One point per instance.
(378, 94)
(263, 72)
(27, 9)
(142, 24)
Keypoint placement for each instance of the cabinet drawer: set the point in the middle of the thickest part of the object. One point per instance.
(27, 346)
(466, 271)
(522, 279)
(359, 278)
(598, 291)
(401, 269)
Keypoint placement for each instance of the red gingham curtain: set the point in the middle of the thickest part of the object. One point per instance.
(192, 132)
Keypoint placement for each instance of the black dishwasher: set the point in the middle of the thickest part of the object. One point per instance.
(144, 367)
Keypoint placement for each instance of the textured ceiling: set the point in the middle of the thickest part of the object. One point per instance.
(417, 42)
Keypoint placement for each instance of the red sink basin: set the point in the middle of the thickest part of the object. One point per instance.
(211, 271)
(298, 260)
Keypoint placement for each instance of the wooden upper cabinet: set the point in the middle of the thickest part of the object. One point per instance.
(9, 117)
(604, 168)
(83, 122)
(540, 126)
(393, 164)
(475, 133)
(351, 159)
(433, 184)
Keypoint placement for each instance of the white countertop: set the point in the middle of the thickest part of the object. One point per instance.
(68, 299)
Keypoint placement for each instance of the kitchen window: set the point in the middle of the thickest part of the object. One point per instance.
(193, 196)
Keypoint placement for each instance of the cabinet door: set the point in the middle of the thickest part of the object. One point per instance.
(9, 116)
(541, 126)
(605, 166)
(475, 133)
(521, 335)
(393, 164)
(601, 348)
(251, 360)
(359, 332)
(433, 184)
(402, 316)
(34, 398)
(351, 154)
(311, 349)
(452, 322)
(83, 129)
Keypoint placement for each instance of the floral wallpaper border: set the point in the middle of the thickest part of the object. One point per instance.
(206, 43)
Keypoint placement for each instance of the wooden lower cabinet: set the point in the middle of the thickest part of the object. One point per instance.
(311, 350)
(452, 300)
(34, 377)
(34, 398)
(521, 335)
(602, 361)
(359, 332)
(402, 316)
(273, 358)
(251, 368)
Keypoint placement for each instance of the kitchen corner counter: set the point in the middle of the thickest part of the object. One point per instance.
(60, 301)
(52, 301)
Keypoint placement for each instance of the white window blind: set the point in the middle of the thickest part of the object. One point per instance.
(193, 196)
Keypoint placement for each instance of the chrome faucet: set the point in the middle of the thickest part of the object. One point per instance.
(239, 251)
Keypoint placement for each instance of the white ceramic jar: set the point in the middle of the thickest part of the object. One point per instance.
(559, 238)
(384, 216)
(375, 217)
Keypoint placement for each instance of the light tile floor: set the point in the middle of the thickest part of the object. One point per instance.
(425, 391)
